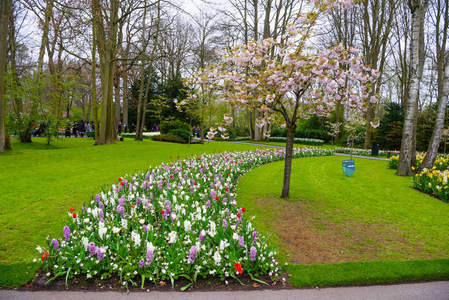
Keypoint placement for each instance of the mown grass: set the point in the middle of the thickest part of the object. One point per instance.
(372, 216)
(40, 183)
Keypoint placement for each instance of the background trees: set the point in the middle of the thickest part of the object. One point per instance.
(140, 63)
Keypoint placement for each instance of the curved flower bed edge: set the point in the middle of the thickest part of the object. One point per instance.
(174, 220)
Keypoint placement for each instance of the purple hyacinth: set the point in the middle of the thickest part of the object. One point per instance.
(255, 234)
(225, 224)
(97, 197)
(253, 253)
(144, 185)
(146, 228)
(130, 188)
(151, 196)
(55, 244)
(241, 242)
(192, 254)
(101, 215)
(191, 189)
(141, 264)
(92, 248)
(101, 205)
(212, 194)
(121, 201)
(208, 204)
(100, 254)
(149, 257)
(66, 233)
(121, 210)
(224, 201)
(202, 238)
(138, 201)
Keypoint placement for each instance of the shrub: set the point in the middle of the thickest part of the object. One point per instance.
(169, 138)
(307, 133)
(184, 134)
(168, 126)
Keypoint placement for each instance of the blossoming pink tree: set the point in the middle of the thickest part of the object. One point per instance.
(291, 78)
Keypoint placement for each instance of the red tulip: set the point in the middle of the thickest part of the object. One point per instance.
(239, 215)
(162, 212)
(74, 216)
(121, 183)
(72, 209)
(45, 255)
(216, 198)
(120, 179)
(243, 209)
(238, 268)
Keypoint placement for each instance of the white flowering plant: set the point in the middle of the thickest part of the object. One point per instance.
(171, 221)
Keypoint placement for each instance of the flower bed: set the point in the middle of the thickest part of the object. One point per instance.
(363, 152)
(284, 139)
(145, 135)
(433, 181)
(175, 220)
(441, 162)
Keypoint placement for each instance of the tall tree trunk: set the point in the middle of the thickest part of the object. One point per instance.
(432, 150)
(94, 80)
(125, 99)
(442, 83)
(291, 128)
(117, 98)
(107, 46)
(418, 9)
(5, 11)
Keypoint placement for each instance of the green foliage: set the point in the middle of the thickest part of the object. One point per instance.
(301, 132)
(167, 126)
(310, 133)
(184, 134)
(169, 138)
(389, 133)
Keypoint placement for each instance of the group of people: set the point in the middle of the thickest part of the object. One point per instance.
(196, 131)
(125, 128)
(79, 128)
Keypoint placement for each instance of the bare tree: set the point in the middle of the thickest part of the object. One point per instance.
(5, 13)
(418, 10)
(440, 16)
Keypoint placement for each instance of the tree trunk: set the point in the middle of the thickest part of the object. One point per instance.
(442, 84)
(404, 166)
(202, 127)
(107, 46)
(125, 99)
(291, 128)
(5, 11)
(117, 98)
(432, 150)
(251, 125)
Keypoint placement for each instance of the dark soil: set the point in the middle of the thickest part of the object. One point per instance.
(80, 283)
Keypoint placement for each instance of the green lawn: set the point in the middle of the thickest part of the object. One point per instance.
(40, 183)
(331, 218)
